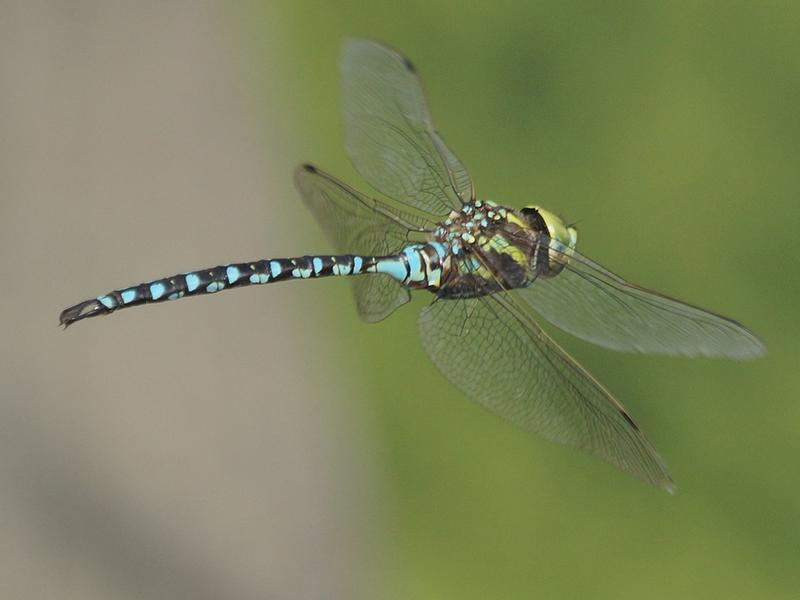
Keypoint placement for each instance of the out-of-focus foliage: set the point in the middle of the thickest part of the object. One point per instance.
(671, 133)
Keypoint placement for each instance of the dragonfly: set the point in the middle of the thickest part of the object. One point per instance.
(491, 270)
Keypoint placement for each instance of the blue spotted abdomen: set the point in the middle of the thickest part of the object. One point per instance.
(209, 281)
(416, 266)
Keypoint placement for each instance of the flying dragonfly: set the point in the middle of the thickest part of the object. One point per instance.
(489, 269)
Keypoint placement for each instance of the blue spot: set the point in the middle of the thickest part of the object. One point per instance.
(107, 301)
(317, 265)
(341, 269)
(233, 274)
(175, 296)
(274, 268)
(214, 286)
(357, 263)
(439, 248)
(157, 290)
(394, 268)
(192, 282)
(414, 263)
(484, 223)
(128, 296)
(299, 273)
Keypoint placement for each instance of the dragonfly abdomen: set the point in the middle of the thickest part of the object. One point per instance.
(416, 266)
(216, 279)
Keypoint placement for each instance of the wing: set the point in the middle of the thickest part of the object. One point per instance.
(388, 133)
(357, 224)
(592, 303)
(492, 350)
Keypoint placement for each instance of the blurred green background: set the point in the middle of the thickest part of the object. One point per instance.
(279, 446)
(670, 132)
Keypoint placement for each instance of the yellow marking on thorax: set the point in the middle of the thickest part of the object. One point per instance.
(512, 218)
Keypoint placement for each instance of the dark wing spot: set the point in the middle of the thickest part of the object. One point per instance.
(309, 168)
(629, 420)
(409, 65)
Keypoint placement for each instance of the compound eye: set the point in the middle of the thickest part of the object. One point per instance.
(534, 218)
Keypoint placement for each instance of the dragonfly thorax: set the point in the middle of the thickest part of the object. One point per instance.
(468, 226)
(487, 248)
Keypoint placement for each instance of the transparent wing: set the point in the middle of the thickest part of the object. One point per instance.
(491, 349)
(357, 224)
(388, 133)
(592, 303)
(353, 222)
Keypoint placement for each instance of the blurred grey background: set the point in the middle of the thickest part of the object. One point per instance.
(154, 462)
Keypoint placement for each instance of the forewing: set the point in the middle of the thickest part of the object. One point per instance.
(592, 303)
(492, 350)
(389, 135)
(357, 224)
